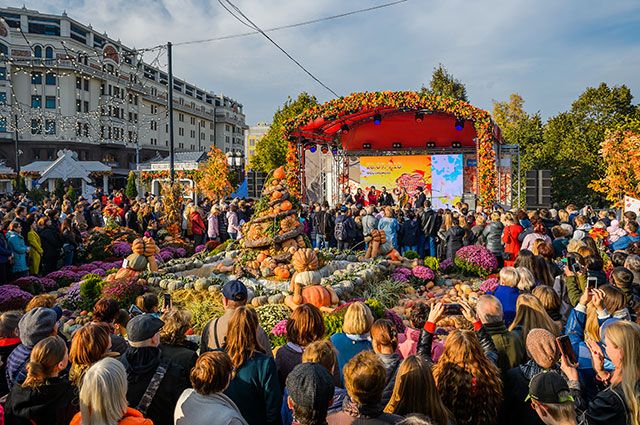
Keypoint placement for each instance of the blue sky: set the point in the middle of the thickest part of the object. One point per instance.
(548, 51)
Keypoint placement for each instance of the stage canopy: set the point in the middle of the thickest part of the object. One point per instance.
(371, 123)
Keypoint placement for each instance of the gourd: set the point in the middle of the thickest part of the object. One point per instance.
(308, 278)
(125, 274)
(282, 272)
(279, 173)
(261, 257)
(276, 299)
(201, 284)
(137, 262)
(317, 295)
(144, 246)
(304, 260)
(266, 271)
(286, 205)
(258, 301)
(153, 265)
(276, 195)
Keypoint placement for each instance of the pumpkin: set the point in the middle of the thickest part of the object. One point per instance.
(261, 257)
(304, 260)
(279, 173)
(153, 265)
(309, 278)
(286, 205)
(276, 195)
(125, 274)
(253, 264)
(258, 301)
(282, 272)
(317, 295)
(137, 262)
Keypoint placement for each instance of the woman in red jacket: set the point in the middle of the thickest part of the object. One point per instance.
(198, 227)
(510, 239)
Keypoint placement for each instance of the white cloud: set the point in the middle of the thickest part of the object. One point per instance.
(547, 51)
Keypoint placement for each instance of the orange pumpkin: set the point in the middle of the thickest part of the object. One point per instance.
(304, 260)
(279, 173)
(282, 272)
(276, 195)
(316, 295)
(286, 205)
(261, 257)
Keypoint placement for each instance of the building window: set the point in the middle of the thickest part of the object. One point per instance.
(3, 125)
(181, 145)
(36, 126)
(86, 106)
(78, 129)
(37, 52)
(50, 102)
(49, 154)
(86, 85)
(3, 98)
(49, 127)
(181, 117)
(45, 26)
(211, 139)
(78, 34)
(193, 121)
(102, 89)
(36, 77)
(36, 101)
(86, 131)
(35, 153)
(78, 83)
(50, 79)
(48, 52)
(180, 131)
(211, 126)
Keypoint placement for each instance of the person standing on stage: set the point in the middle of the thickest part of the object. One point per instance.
(420, 198)
(372, 196)
(386, 199)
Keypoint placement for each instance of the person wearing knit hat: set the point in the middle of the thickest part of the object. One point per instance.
(34, 326)
(544, 355)
(311, 391)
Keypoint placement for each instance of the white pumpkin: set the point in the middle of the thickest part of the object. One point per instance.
(309, 278)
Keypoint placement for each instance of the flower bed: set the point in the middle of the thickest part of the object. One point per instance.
(475, 260)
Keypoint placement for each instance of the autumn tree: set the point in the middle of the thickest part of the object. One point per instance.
(271, 150)
(621, 154)
(213, 176)
(444, 84)
(131, 190)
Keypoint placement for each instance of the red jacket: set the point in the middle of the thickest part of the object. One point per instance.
(372, 198)
(131, 417)
(197, 225)
(511, 242)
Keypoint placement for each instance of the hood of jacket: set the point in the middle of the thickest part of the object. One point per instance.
(140, 360)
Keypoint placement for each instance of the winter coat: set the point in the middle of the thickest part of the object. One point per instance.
(197, 224)
(35, 253)
(7, 345)
(391, 363)
(430, 222)
(454, 240)
(509, 345)
(131, 221)
(232, 219)
(256, 391)
(51, 240)
(493, 235)
(210, 409)
(347, 346)
(410, 233)
(531, 238)
(390, 227)
(141, 364)
(477, 231)
(625, 241)
(507, 296)
(369, 223)
(51, 404)
(386, 199)
(609, 407)
(131, 417)
(408, 344)
(19, 251)
(511, 243)
(5, 251)
(212, 230)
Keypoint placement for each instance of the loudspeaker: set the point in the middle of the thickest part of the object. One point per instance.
(538, 189)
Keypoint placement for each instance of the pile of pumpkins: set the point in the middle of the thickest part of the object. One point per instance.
(305, 283)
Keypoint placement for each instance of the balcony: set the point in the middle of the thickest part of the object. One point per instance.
(112, 142)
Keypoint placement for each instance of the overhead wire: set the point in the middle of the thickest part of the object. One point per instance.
(316, 79)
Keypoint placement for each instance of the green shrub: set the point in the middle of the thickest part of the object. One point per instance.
(411, 255)
(90, 291)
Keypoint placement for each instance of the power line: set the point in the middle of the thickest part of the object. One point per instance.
(274, 43)
(299, 24)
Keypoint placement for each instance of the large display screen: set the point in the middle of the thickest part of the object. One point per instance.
(441, 176)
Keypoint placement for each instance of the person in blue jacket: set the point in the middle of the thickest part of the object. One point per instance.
(507, 292)
(390, 225)
(631, 237)
(5, 255)
(19, 250)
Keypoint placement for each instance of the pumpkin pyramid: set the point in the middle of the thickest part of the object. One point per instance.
(274, 233)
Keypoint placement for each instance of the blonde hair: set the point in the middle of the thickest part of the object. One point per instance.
(42, 300)
(480, 219)
(321, 352)
(574, 245)
(509, 277)
(563, 216)
(526, 280)
(614, 300)
(103, 395)
(549, 298)
(176, 324)
(358, 319)
(530, 314)
(625, 335)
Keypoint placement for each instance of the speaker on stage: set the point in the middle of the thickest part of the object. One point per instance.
(538, 189)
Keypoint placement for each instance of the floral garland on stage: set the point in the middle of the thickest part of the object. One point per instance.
(344, 106)
(147, 176)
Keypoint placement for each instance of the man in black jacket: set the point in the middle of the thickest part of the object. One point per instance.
(431, 223)
(385, 198)
(154, 384)
(420, 198)
(51, 241)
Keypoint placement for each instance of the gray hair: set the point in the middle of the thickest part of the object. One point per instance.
(103, 394)
(489, 309)
(633, 263)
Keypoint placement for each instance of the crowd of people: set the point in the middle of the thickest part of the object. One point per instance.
(556, 341)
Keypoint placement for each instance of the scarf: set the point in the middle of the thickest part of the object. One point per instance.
(355, 410)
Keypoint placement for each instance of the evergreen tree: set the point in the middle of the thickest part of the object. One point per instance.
(131, 190)
(59, 189)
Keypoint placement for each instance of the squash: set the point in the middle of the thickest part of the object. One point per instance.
(304, 260)
(279, 173)
(286, 205)
(258, 301)
(261, 257)
(153, 265)
(282, 272)
(276, 195)
(137, 262)
(125, 274)
(308, 278)
(317, 295)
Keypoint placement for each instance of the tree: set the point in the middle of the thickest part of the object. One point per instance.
(573, 140)
(271, 150)
(58, 189)
(621, 155)
(131, 190)
(444, 84)
(213, 176)
(71, 194)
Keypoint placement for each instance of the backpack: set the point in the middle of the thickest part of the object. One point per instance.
(341, 230)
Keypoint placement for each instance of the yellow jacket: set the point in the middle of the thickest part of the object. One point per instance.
(35, 254)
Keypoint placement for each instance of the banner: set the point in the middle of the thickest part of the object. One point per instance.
(402, 171)
(447, 180)
(631, 204)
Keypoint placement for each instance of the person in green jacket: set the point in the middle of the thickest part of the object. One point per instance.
(33, 239)
(254, 386)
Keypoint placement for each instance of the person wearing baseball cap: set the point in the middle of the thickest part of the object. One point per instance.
(551, 398)
(154, 382)
(234, 295)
